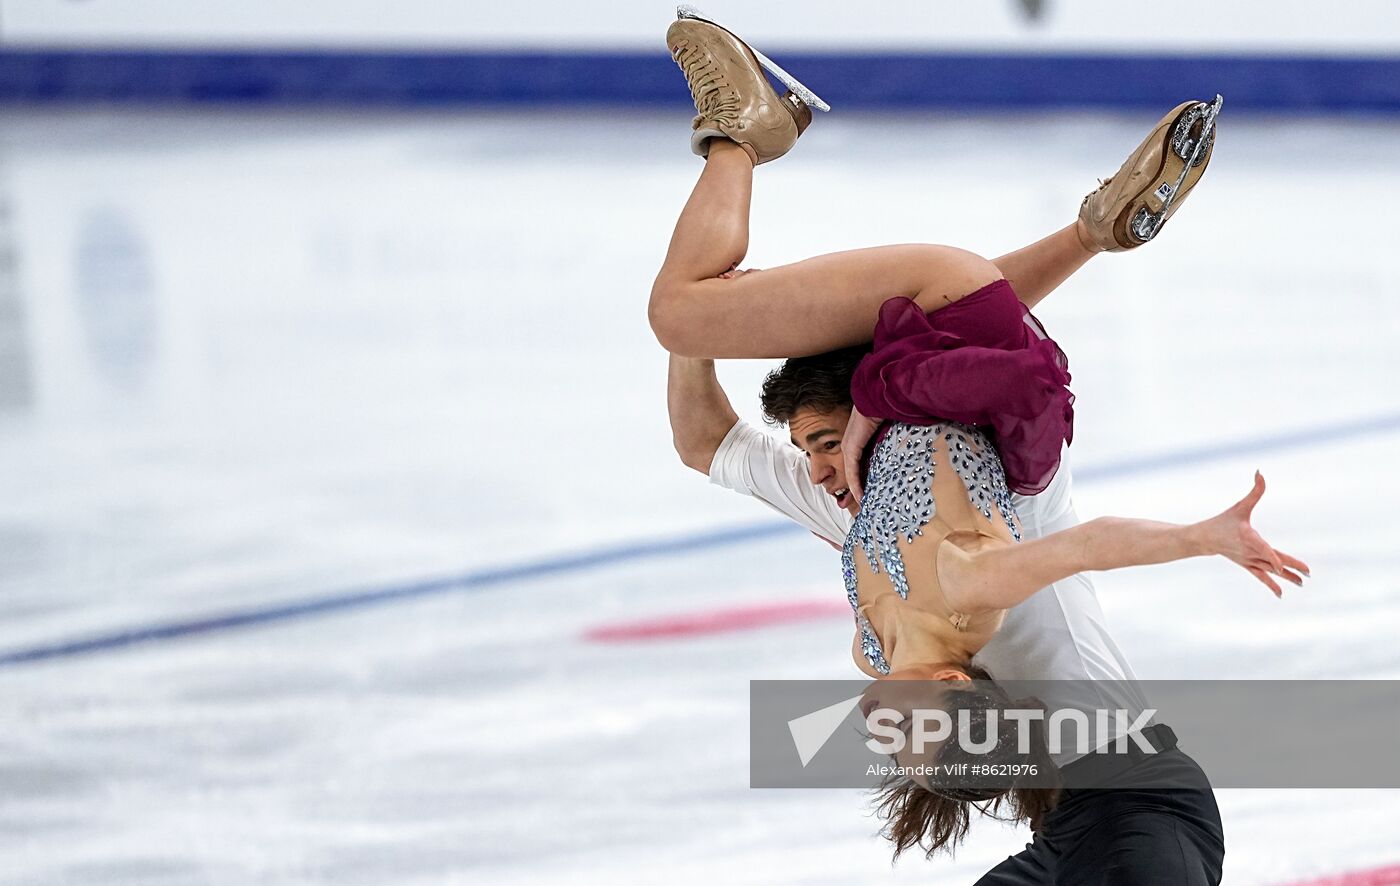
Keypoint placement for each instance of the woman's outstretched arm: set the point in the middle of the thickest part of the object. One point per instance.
(1000, 578)
(699, 309)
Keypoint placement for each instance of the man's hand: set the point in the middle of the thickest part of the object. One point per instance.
(859, 430)
(1231, 535)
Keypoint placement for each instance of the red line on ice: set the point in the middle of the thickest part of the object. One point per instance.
(717, 621)
(1386, 876)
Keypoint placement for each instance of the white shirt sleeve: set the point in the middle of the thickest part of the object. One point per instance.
(753, 463)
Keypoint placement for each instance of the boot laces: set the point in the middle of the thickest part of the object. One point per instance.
(714, 98)
(1103, 183)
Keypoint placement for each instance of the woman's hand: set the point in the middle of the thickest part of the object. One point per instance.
(859, 430)
(1230, 535)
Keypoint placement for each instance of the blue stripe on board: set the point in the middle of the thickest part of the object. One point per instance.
(847, 80)
(615, 554)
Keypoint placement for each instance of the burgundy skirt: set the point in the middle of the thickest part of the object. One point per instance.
(980, 362)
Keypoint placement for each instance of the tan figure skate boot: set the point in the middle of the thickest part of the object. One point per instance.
(1130, 208)
(733, 97)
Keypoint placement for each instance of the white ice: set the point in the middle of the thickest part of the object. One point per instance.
(253, 358)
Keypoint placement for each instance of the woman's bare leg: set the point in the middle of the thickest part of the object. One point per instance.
(712, 234)
(1037, 270)
(804, 308)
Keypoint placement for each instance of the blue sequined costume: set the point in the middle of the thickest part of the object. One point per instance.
(898, 502)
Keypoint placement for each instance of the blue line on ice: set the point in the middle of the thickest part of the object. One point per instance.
(483, 579)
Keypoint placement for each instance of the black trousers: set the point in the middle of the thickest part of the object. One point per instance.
(1126, 837)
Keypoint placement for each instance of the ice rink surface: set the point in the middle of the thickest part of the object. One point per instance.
(250, 361)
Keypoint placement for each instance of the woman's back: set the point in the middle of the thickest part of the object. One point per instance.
(926, 484)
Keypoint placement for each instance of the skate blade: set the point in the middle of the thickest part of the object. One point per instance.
(1204, 114)
(1146, 224)
(808, 97)
(1203, 144)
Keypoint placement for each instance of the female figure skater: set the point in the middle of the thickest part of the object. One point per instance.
(952, 359)
(976, 399)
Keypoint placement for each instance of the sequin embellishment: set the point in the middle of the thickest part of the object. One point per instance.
(898, 501)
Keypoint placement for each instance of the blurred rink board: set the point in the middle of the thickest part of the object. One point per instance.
(998, 53)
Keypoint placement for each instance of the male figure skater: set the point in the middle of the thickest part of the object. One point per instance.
(1169, 836)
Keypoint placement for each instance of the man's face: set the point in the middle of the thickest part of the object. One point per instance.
(819, 435)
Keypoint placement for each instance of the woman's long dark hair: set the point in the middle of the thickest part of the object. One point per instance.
(939, 819)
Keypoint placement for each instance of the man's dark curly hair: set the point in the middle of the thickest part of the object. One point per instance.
(821, 382)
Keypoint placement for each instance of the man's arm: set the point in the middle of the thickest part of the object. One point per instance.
(700, 413)
(710, 438)
(1037, 270)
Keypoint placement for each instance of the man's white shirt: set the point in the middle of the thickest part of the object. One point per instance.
(1057, 634)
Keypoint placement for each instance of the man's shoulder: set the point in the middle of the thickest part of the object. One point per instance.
(757, 464)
